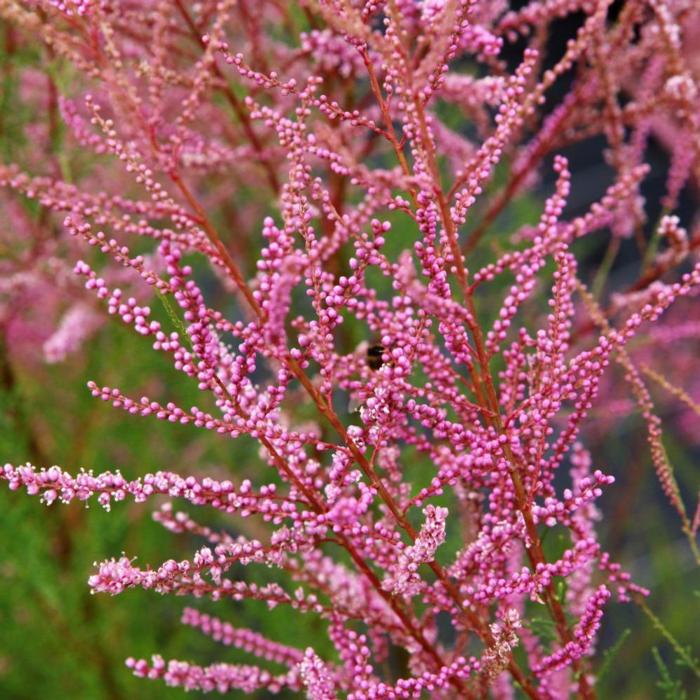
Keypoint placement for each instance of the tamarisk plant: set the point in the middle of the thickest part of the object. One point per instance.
(341, 166)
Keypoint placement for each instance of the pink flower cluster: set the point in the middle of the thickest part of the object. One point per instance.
(337, 166)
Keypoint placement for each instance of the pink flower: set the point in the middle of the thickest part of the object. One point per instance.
(304, 222)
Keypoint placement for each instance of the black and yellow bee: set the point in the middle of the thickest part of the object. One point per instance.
(375, 356)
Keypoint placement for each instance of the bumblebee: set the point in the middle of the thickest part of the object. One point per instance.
(374, 356)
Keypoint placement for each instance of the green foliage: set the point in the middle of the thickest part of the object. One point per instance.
(670, 687)
(684, 653)
(610, 654)
(544, 628)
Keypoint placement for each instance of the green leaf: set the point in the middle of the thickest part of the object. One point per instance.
(610, 654)
(672, 689)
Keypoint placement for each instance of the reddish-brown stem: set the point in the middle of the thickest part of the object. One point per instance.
(279, 461)
(534, 552)
(214, 239)
(513, 185)
(234, 102)
(333, 419)
(390, 133)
